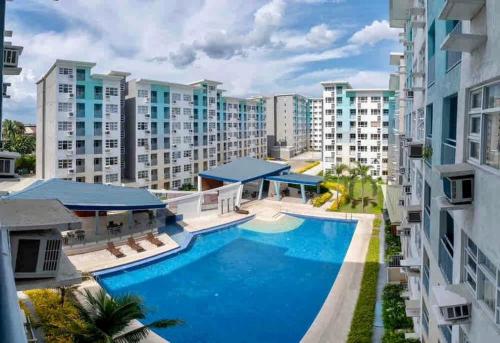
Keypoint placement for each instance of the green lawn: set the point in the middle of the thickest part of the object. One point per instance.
(373, 204)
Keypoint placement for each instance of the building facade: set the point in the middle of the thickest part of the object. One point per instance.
(287, 125)
(450, 169)
(356, 126)
(105, 129)
(315, 124)
(78, 124)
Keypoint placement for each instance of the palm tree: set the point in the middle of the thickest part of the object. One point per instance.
(340, 169)
(11, 129)
(361, 171)
(105, 318)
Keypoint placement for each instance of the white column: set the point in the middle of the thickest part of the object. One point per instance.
(261, 188)
(96, 222)
(199, 183)
(277, 189)
(130, 219)
(303, 193)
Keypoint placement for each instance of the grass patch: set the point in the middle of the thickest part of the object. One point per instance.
(361, 330)
(374, 202)
(307, 167)
(54, 317)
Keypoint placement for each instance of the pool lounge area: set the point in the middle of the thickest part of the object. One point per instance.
(225, 267)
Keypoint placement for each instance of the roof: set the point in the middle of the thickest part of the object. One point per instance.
(392, 195)
(9, 154)
(89, 196)
(298, 179)
(26, 213)
(66, 62)
(244, 170)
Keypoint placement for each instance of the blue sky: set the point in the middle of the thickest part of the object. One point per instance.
(253, 47)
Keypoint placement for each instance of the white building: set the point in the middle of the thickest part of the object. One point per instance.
(450, 168)
(287, 132)
(78, 124)
(316, 124)
(356, 126)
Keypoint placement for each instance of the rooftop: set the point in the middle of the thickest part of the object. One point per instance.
(244, 170)
(90, 197)
(298, 179)
(25, 213)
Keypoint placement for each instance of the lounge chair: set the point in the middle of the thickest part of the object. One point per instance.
(153, 240)
(114, 250)
(134, 245)
(240, 211)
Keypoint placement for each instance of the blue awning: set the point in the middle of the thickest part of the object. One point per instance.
(244, 170)
(297, 179)
(80, 196)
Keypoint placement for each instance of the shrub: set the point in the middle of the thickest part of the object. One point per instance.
(377, 222)
(306, 168)
(392, 243)
(53, 316)
(397, 337)
(361, 330)
(319, 200)
(393, 309)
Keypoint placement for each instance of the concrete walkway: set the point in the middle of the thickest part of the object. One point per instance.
(378, 325)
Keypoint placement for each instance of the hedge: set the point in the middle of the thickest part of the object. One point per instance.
(319, 200)
(53, 317)
(392, 243)
(361, 330)
(396, 323)
(306, 168)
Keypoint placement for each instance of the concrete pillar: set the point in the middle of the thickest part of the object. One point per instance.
(200, 201)
(261, 188)
(130, 219)
(199, 183)
(303, 193)
(277, 190)
(96, 222)
(239, 195)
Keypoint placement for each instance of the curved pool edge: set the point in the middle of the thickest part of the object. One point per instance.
(150, 259)
(333, 321)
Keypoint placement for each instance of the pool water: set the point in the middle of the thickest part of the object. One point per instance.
(239, 285)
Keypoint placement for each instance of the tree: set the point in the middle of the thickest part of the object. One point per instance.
(340, 169)
(361, 171)
(187, 187)
(105, 317)
(11, 129)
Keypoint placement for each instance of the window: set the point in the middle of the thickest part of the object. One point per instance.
(142, 93)
(111, 143)
(64, 126)
(65, 145)
(187, 167)
(110, 108)
(80, 74)
(63, 164)
(142, 142)
(111, 178)
(65, 107)
(142, 158)
(111, 126)
(186, 111)
(5, 165)
(142, 126)
(142, 174)
(176, 96)
(111, 161)
(65, 71)
(113, 91)
(492, 96)
(65, 88)
(186, 97)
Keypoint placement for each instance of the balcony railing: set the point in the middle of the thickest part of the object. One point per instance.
(97, 167)
(446, 258)
(431, 71)
(80, 168)
(427, 224)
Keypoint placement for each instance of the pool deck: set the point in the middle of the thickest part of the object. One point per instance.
(332, 323)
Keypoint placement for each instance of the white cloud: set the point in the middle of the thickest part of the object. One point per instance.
(374, 33)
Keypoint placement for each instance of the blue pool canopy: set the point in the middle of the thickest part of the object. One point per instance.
(297, 179)
(82, 196)
(244, 170)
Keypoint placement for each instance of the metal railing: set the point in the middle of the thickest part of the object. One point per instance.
(446, 258)
(448, 153)
(427, 224)
(431, 71)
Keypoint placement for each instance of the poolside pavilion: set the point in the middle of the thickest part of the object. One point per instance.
(98, 201)
(251, 170)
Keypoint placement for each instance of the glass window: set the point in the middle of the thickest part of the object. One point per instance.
(492, 96)
(475, 125)
(487, 291)
(474, 151)
(492, 140)
(475, 100)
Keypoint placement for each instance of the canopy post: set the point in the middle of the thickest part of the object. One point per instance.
(277, 189)
(261, 188)
(303, 193)
(96, 222)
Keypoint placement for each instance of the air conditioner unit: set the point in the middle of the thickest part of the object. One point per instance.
(415, 150)
(147, 164)
(456, 312)
(174, 146)
(174, 161)
(404, 231)
(402, 170)
(70, 76)
(108, 167)
(70, 133)
(70, 95)
(107, 150)
(71, 171)
(459, 189)
(70, 114)
(146, 115)
(401, 202)
(108, 132)
(108, 97)
(147, 131)
(409, 94)
(108, 113)
(414, 214)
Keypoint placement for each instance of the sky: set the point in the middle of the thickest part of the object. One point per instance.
(255, 47)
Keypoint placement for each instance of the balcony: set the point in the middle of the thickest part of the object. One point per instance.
(431, 71)
(461, 9)
(97, 167)
(10, 59)
(412, 308)
(448, 152)
(98, 150)
(459, 41)
(398, 12)
(80, 168)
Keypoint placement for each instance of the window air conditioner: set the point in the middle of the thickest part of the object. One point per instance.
(416, 150)
(407, 189)
(414, 214)
(459, 189)
(455, 312)
(70, 114)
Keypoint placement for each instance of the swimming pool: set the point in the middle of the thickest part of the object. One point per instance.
(242, 284)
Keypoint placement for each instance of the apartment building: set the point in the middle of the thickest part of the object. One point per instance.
(450, 168)
(356, 126)
(145, 133)
(315, 124)
(174, 131)
(78, 123)
(287, 125)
